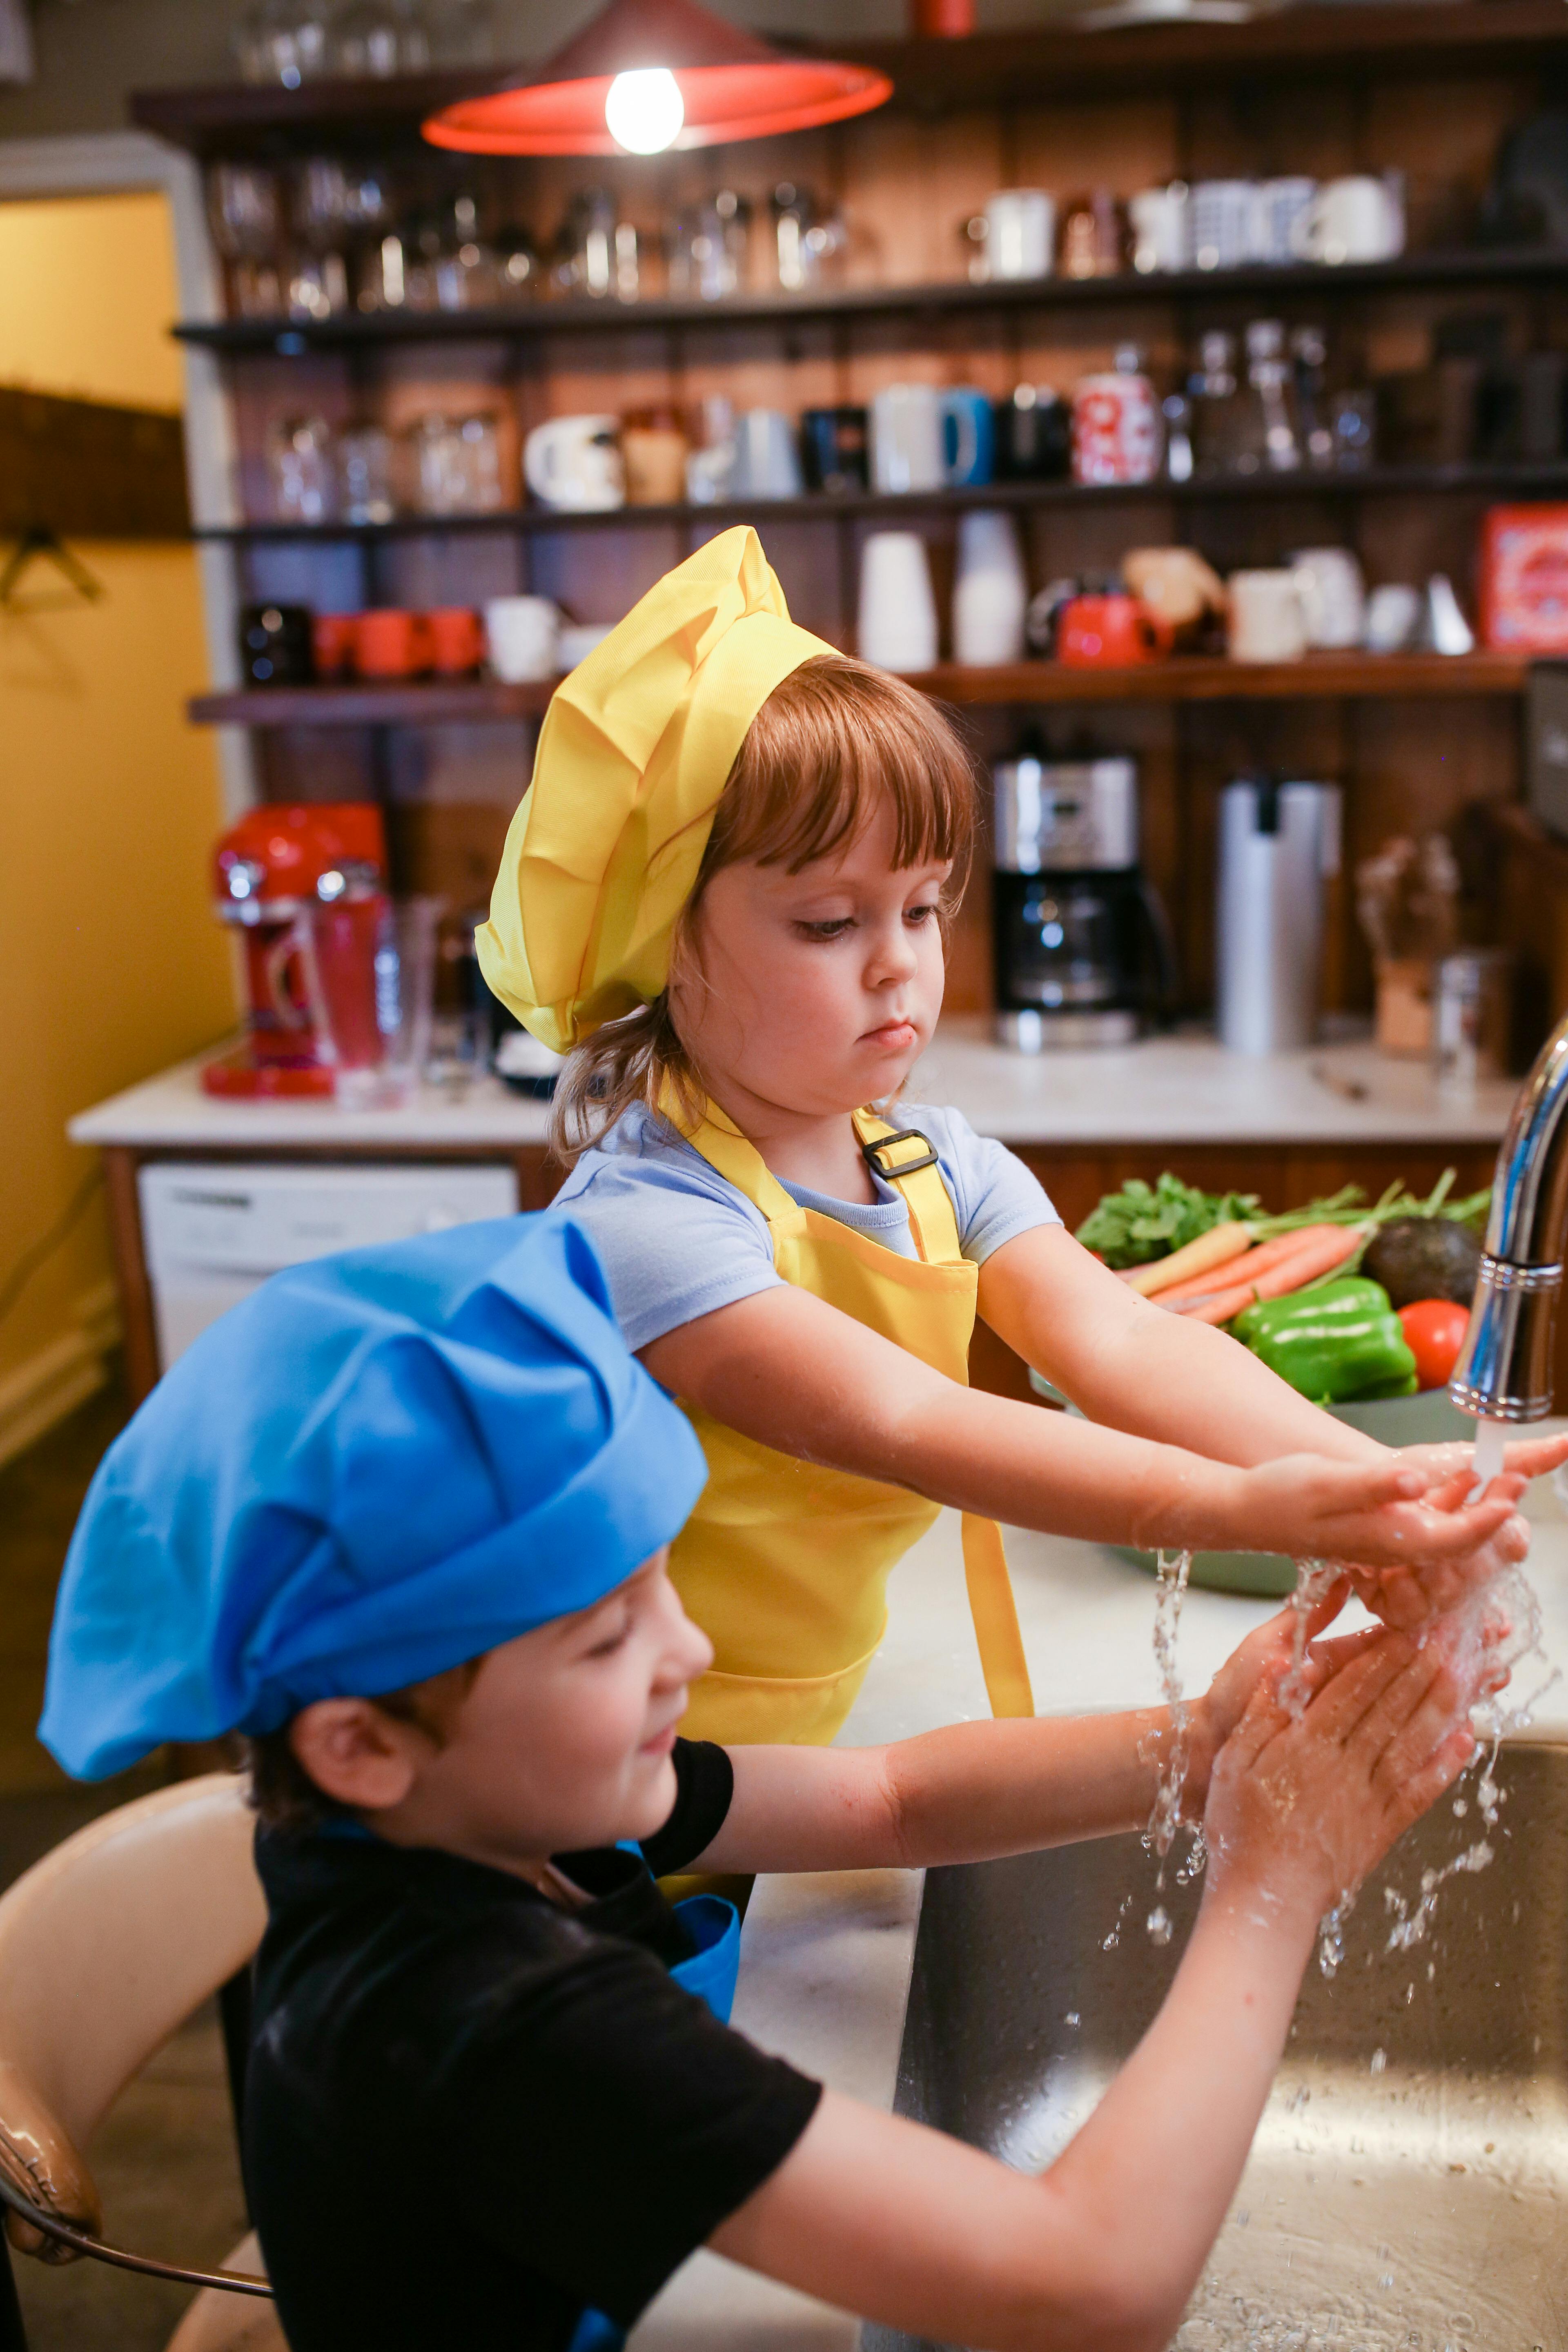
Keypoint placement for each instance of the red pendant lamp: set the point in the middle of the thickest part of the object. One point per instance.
(648, 75)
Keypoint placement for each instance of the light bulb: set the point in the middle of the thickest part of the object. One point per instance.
(644, 111)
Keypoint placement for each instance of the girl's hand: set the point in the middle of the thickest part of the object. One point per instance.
(1406, 1596)
(1523, 1457)
(1263, 1658)
(1390, 1514)
(1298, 1811)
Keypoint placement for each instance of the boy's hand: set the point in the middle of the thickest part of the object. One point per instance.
(1263, 1658)
(1390, 1514)
(1298, 1811)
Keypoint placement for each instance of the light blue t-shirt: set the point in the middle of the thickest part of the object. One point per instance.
(676, 1240)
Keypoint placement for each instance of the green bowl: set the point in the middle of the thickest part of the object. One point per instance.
(1423, 1420)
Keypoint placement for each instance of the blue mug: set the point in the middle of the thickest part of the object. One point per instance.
(968, 437)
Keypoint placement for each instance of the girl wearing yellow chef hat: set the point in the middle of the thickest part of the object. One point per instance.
(724, 898)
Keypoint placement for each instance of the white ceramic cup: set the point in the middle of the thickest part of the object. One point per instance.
(907, 438)
(1266, 620)
(1333, 597)
(1392, 617)
(1224, 222)
(573, 462)
(1020, 233)
(896, 622)
(990, 590)
(767, 461)
(578, 639)
(1162, 222)
(1357, 218)
(523, 636)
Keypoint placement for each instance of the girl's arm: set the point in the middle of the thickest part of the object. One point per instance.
(1099, 2254)
(796, 1374)
(1130, 1364)
(972, 1791)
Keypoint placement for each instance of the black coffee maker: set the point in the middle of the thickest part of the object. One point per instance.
(1084, 954)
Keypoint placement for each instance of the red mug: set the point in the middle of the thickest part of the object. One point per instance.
(1115, 630)
(333, 643)
(456, 640)
(389, 642)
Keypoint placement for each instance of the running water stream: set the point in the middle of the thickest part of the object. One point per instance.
(1170, 1589)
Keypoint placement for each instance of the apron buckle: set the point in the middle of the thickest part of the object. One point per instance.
(871, 1153)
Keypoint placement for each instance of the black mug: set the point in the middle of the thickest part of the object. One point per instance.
(834, 444)
(1033, 436)
(275, 645)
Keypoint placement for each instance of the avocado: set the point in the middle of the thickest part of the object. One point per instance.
(1424, 1258)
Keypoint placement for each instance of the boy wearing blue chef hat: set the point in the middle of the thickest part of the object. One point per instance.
(401, 1518)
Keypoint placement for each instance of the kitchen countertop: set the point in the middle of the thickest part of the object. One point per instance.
(826, 1959)
(1174, 1089)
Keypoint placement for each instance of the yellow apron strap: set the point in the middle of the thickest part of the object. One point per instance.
(995, 1615)
(735, 1158)
(933, 1228)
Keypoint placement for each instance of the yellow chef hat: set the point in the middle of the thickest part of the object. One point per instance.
(635, 751)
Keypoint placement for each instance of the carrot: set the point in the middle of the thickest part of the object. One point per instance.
(1196, 1260)
(1266, 1256)
(1325, 1246)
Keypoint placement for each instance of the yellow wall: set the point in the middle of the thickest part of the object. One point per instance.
(110, 964)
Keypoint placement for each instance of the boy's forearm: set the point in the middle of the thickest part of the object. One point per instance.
(972, 1792)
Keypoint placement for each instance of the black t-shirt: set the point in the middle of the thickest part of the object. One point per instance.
(469, 2114)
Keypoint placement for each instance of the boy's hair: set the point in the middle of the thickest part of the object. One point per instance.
(827, 743)
(282, 1793)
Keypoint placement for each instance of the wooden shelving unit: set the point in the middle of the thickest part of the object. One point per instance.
(1185, 678)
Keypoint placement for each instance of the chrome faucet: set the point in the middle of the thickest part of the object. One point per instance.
(1504, 1371)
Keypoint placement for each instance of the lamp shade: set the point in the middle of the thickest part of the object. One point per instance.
(733, 86)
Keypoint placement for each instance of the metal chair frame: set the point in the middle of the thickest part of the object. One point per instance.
(234, 2006)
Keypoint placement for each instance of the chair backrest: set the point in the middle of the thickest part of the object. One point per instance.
(106, 1946)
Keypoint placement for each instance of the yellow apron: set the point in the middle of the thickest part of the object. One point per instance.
(785, 1563)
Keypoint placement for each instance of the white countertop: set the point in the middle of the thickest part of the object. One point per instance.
(825, 1961)
(1178, 1089)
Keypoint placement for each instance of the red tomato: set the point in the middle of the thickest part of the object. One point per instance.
(1435, 1332)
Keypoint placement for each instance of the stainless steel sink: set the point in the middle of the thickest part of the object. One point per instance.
(1408, 2188)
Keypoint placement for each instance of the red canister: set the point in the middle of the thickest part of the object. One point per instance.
(1115, 428)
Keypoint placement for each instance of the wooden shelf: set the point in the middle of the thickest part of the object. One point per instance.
(522, 322)
(933, 78)
(1186, 678)
(1375, 481)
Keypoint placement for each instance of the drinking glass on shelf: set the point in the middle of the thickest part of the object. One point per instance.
(364, 473)
(708, 247)
(247, 227)
(463, 268)
(597, 251)
(322, 208)
(517, 271)
(373, 39)
(1356, 429)
(299, 458)
(454, 464)
(807, 237)
(283, 41)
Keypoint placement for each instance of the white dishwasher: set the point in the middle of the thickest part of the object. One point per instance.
(213, 1231)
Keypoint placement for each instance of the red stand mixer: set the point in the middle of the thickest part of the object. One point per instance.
(307, 886)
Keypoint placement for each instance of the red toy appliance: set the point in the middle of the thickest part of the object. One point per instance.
(1524, 579)
(307, 887)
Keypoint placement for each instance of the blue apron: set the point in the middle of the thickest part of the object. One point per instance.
(715, 1927)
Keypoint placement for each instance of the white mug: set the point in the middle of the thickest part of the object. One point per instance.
(1393, 618)
(524, 635)
(907, 439)
(990, 591)
(1333, 597)
(1020, 233)
(1266, 620)
(578, 639)
(1225, 223)
(1357, 218)
(767, 461)
(896, 622)
(1162, 228)
(573, 462)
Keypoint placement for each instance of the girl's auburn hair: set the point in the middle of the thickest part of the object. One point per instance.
(828, 744)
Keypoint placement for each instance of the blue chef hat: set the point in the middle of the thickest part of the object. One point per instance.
(376, 1467)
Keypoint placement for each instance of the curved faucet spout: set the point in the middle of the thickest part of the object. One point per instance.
(1504, 1371)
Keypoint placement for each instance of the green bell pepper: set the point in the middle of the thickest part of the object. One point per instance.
(1338, 1342)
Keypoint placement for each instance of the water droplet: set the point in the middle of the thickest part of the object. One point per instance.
(1159, 1924)
(1071, 2018)
(1379, 2061)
